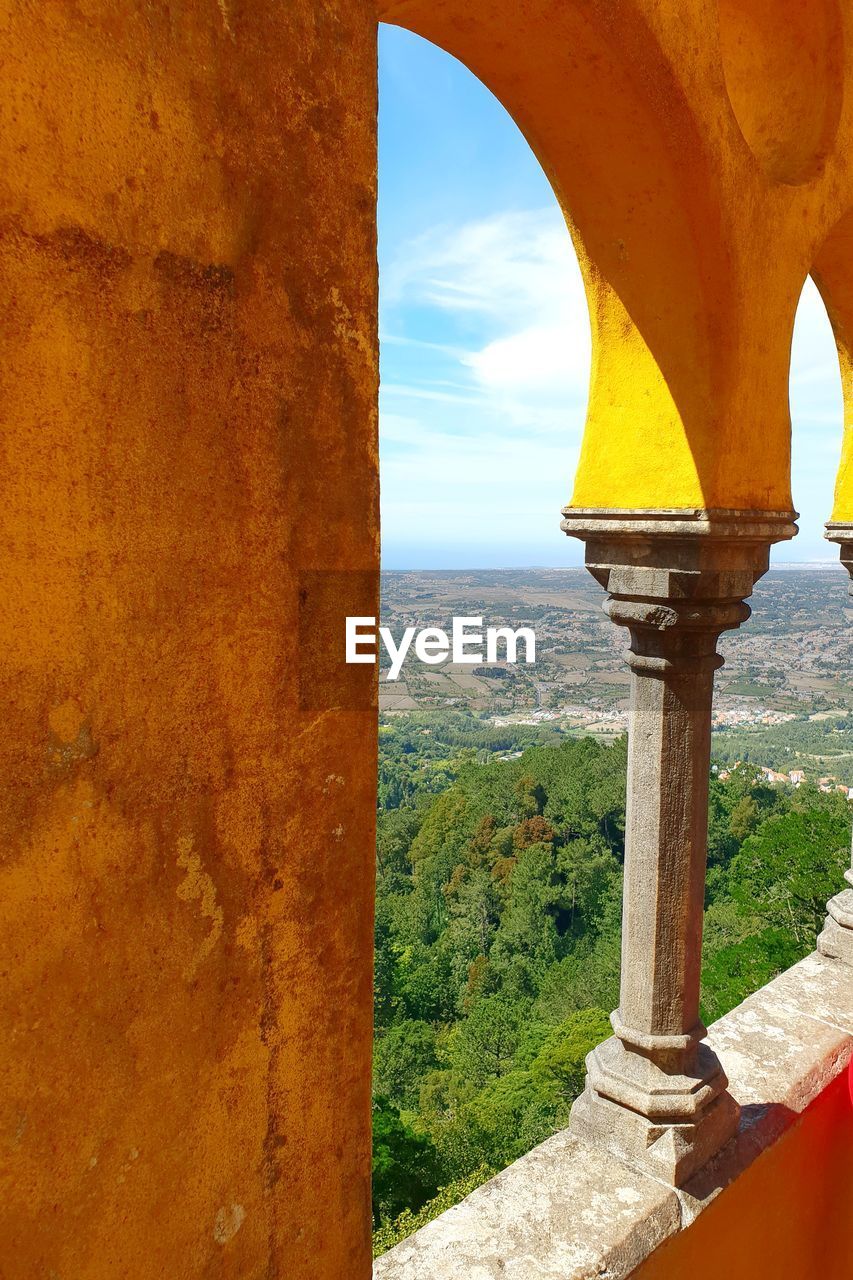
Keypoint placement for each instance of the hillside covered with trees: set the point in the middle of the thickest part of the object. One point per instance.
(499, 882)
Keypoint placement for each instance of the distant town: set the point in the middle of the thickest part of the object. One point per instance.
(793, 778)
(783, 702)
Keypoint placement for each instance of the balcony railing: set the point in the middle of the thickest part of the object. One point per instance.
(672, 1115)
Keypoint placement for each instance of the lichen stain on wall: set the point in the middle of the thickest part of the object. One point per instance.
(197, 885)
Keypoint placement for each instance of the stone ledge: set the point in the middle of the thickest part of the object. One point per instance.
(780, 1050)
(563, 1210)
(569, 1211)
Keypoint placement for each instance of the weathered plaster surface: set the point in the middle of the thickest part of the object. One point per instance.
(189, 381)
(569, 1211)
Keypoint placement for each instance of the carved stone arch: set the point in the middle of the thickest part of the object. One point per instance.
(783, 63)
(630, 120)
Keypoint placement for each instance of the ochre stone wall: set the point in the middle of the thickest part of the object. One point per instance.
(188, 426)
(786, 1218)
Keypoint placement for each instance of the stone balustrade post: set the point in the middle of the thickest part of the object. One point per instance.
(676, 581)
(836, 939)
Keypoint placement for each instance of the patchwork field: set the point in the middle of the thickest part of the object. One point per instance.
(784, 698)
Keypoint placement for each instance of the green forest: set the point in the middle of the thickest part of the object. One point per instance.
(499, 884)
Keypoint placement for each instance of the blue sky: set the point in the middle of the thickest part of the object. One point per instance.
(485, 337)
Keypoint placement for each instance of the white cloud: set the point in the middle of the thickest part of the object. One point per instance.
(511, 280)
(507, 266)
(482, 410)
(516, 277)
(433, 392)
(539, 360)
(480, 491)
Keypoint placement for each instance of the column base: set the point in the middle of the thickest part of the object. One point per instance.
(836, 940)
(672, 1125)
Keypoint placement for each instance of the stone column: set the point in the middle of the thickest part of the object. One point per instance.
(676, 581)
(836, 940)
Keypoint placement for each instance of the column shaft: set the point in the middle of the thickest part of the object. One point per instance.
(668, 761)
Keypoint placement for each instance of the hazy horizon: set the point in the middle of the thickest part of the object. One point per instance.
(819, 565)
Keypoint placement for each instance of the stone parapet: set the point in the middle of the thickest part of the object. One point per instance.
(570, 1211)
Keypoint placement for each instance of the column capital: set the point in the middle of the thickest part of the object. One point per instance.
(689, 554)
(677, 579)
(842, 532)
